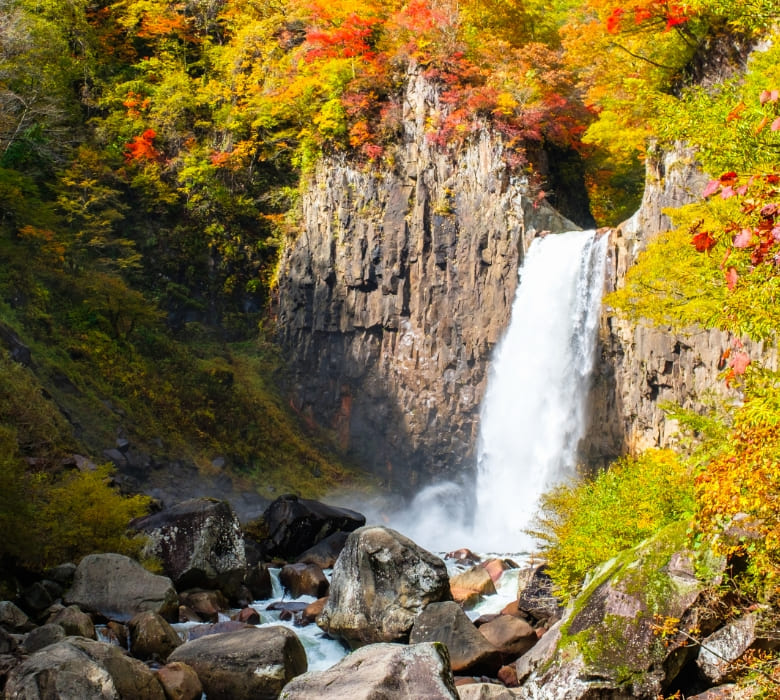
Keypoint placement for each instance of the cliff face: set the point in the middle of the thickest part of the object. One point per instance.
(395, 291)
(640, 366)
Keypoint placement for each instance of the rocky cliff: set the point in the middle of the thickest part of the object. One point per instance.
(641, 367)
(396, 289)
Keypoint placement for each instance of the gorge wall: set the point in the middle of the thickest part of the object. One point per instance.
(396, 289)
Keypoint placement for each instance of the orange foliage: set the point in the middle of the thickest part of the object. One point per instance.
(141, 148)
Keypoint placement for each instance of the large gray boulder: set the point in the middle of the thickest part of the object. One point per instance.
(84, 669)
(380, 583)
(380, 671)
(151, 637)
(470, 653)
(118, 587)
(199, 542)
(249, 664)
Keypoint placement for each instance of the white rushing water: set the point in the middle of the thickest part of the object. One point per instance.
(533, 414)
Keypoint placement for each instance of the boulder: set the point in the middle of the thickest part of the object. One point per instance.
(312, 611)
(380, 671)
(470, 652)
(540, 655)
(205, 604)
(296, 524)
(326, 551)
(721, 649)
(463, 555)
(380, 583)
(199, 543)
(487, 691)
(612, 644)
(258, 581)
(151, 637)
(39, 596)
(496, 568)
(180, 682)
(118, 587)
(467, 587)
(304, 579)
(84, 669)
(41, 637)
(248, 616)
(216, 628)
(535, 594)
(13, 618)
(8, 644)
(62, 574)
(75, 622)
(250, 664)
(511, 635)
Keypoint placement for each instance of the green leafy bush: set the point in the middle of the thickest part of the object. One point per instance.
(585, 523)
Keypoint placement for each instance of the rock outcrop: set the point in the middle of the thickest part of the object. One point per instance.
(396, 289)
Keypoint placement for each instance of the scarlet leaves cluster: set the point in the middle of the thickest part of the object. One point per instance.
(141, 148)
(651, 12)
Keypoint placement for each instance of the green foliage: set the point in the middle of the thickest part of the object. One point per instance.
(665, 286)
(586, 523)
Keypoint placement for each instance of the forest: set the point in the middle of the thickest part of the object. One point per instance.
(152, 155)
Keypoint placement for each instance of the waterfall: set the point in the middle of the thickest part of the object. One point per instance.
(533, 414)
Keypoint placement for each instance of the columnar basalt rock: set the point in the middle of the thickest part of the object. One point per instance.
(396, 289)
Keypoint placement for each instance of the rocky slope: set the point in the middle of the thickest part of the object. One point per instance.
(395, 291)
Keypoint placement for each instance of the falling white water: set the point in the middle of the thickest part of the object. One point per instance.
(533, 414)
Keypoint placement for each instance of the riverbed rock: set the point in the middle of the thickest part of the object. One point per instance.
(118, 587)
(180, 682)
(207, 605)
(380, 671)
(41, 637)
(380, 583)
(151, 637)
(296, 524)
(85, 669)
(326, 551)
(304, 579)
(535, 594)
(486, 691)
(468, 586)
(199, 542)
(75, 622)
(258, 581)
(250, 664)
(511, 635)
(312, 611)
(470, 652)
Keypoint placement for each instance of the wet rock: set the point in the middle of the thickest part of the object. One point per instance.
(258, 581)
(151, 637)
(512, 636)
(304, 579)
(495, 568)
(470, 652)
(207, 605)
(84, 669)
(464, 556)
(380, 583)
(250, 664)
(199, 542)
(248, 616)
(380, 671)
(75, 622)
(297, 524)
(216, 628)
(180, 682)
(313, 610)
(118, 587)
(326, 551)
(468, 586)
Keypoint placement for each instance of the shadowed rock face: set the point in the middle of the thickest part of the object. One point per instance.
(396, 289)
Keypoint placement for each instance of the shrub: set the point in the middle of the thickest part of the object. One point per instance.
(586, 523)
